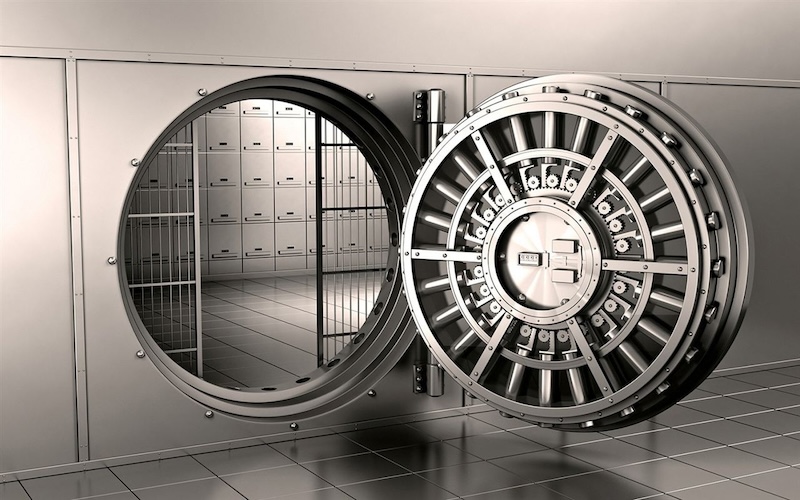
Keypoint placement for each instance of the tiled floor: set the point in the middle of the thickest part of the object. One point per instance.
(735, 438)
(263, 332)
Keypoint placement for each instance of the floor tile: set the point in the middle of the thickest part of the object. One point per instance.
(609, 454)
(667, 474)
(728, 490)
(123, 495)
(354, 469)
(397, 488)
(428, 456)
(699, 394)
(161, 472)
(326, 494)
(528, 492)
(725, 385)
(454, 427)
(765, 378)
(242, 460)
(74, 485)
(791, 389)
(670, 442)
(588, 486)
(204, 489)
(775, 421)
(726, 431)
(13, 491)
(271, 483)
(770, 398)
(680, 415)
(792, 371)
(543, 465)
(496, 419)
(558, 439)
(389, 437)
(783, 482)
(724, 407)
(646, 426)
(495, 445)
(781, 449)
(473, 478)
(729, 462)
(318, 448)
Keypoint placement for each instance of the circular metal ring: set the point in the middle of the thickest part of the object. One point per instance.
(386, 333)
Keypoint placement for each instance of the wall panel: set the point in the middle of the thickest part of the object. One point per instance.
(756, 128)
(37, 374)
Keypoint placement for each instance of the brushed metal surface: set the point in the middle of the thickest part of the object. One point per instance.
(37, 406)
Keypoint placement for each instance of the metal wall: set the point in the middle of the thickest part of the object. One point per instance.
(121, 108)
(746, 39)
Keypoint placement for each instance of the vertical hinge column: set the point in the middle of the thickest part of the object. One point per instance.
(429, 116)
(76, 251)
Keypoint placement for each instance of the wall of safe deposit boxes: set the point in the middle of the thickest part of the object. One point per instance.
(257, 204)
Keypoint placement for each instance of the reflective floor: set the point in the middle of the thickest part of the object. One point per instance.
(737, 437)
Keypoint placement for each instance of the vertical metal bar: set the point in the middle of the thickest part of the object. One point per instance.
(198, 309)
(76, 255)
(318, 229)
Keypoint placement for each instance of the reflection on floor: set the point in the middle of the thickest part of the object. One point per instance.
(735, 438)
(263, 332)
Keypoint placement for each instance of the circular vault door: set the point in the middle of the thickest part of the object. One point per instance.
(575, 254)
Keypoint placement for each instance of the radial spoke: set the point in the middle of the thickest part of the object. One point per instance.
(491, 164)
(515, 377)
(645, 266)
(589, 355)
(491, 349)
(444, 255)
(594, 168)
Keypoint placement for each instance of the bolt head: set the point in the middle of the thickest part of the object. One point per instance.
(293, 426)
(371, 393)
(135, 162)
(209, 414)
(202, 92)
(112, 260)
(140, 354)
(370, 96)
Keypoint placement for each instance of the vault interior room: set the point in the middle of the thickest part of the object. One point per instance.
(290, 261)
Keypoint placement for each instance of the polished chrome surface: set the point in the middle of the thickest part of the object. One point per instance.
(566, 215)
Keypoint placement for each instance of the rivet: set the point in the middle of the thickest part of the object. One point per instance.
(202, 92)
(371, 393)
(135, 162)
(209, 414)
(293, 426)
(370, 96)
(565, 98)
(112, 260)
(605, 108)
(605, 388)
(588, 358)
(140, 354)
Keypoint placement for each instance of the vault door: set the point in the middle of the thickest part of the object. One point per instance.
(575, 253)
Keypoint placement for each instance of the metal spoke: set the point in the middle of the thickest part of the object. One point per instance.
(491, 348)
(594, 168)
(586, 351)
(445, 255)
(491, 164)
(645, 266)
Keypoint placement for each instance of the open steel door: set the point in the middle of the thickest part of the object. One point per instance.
(575, 253)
